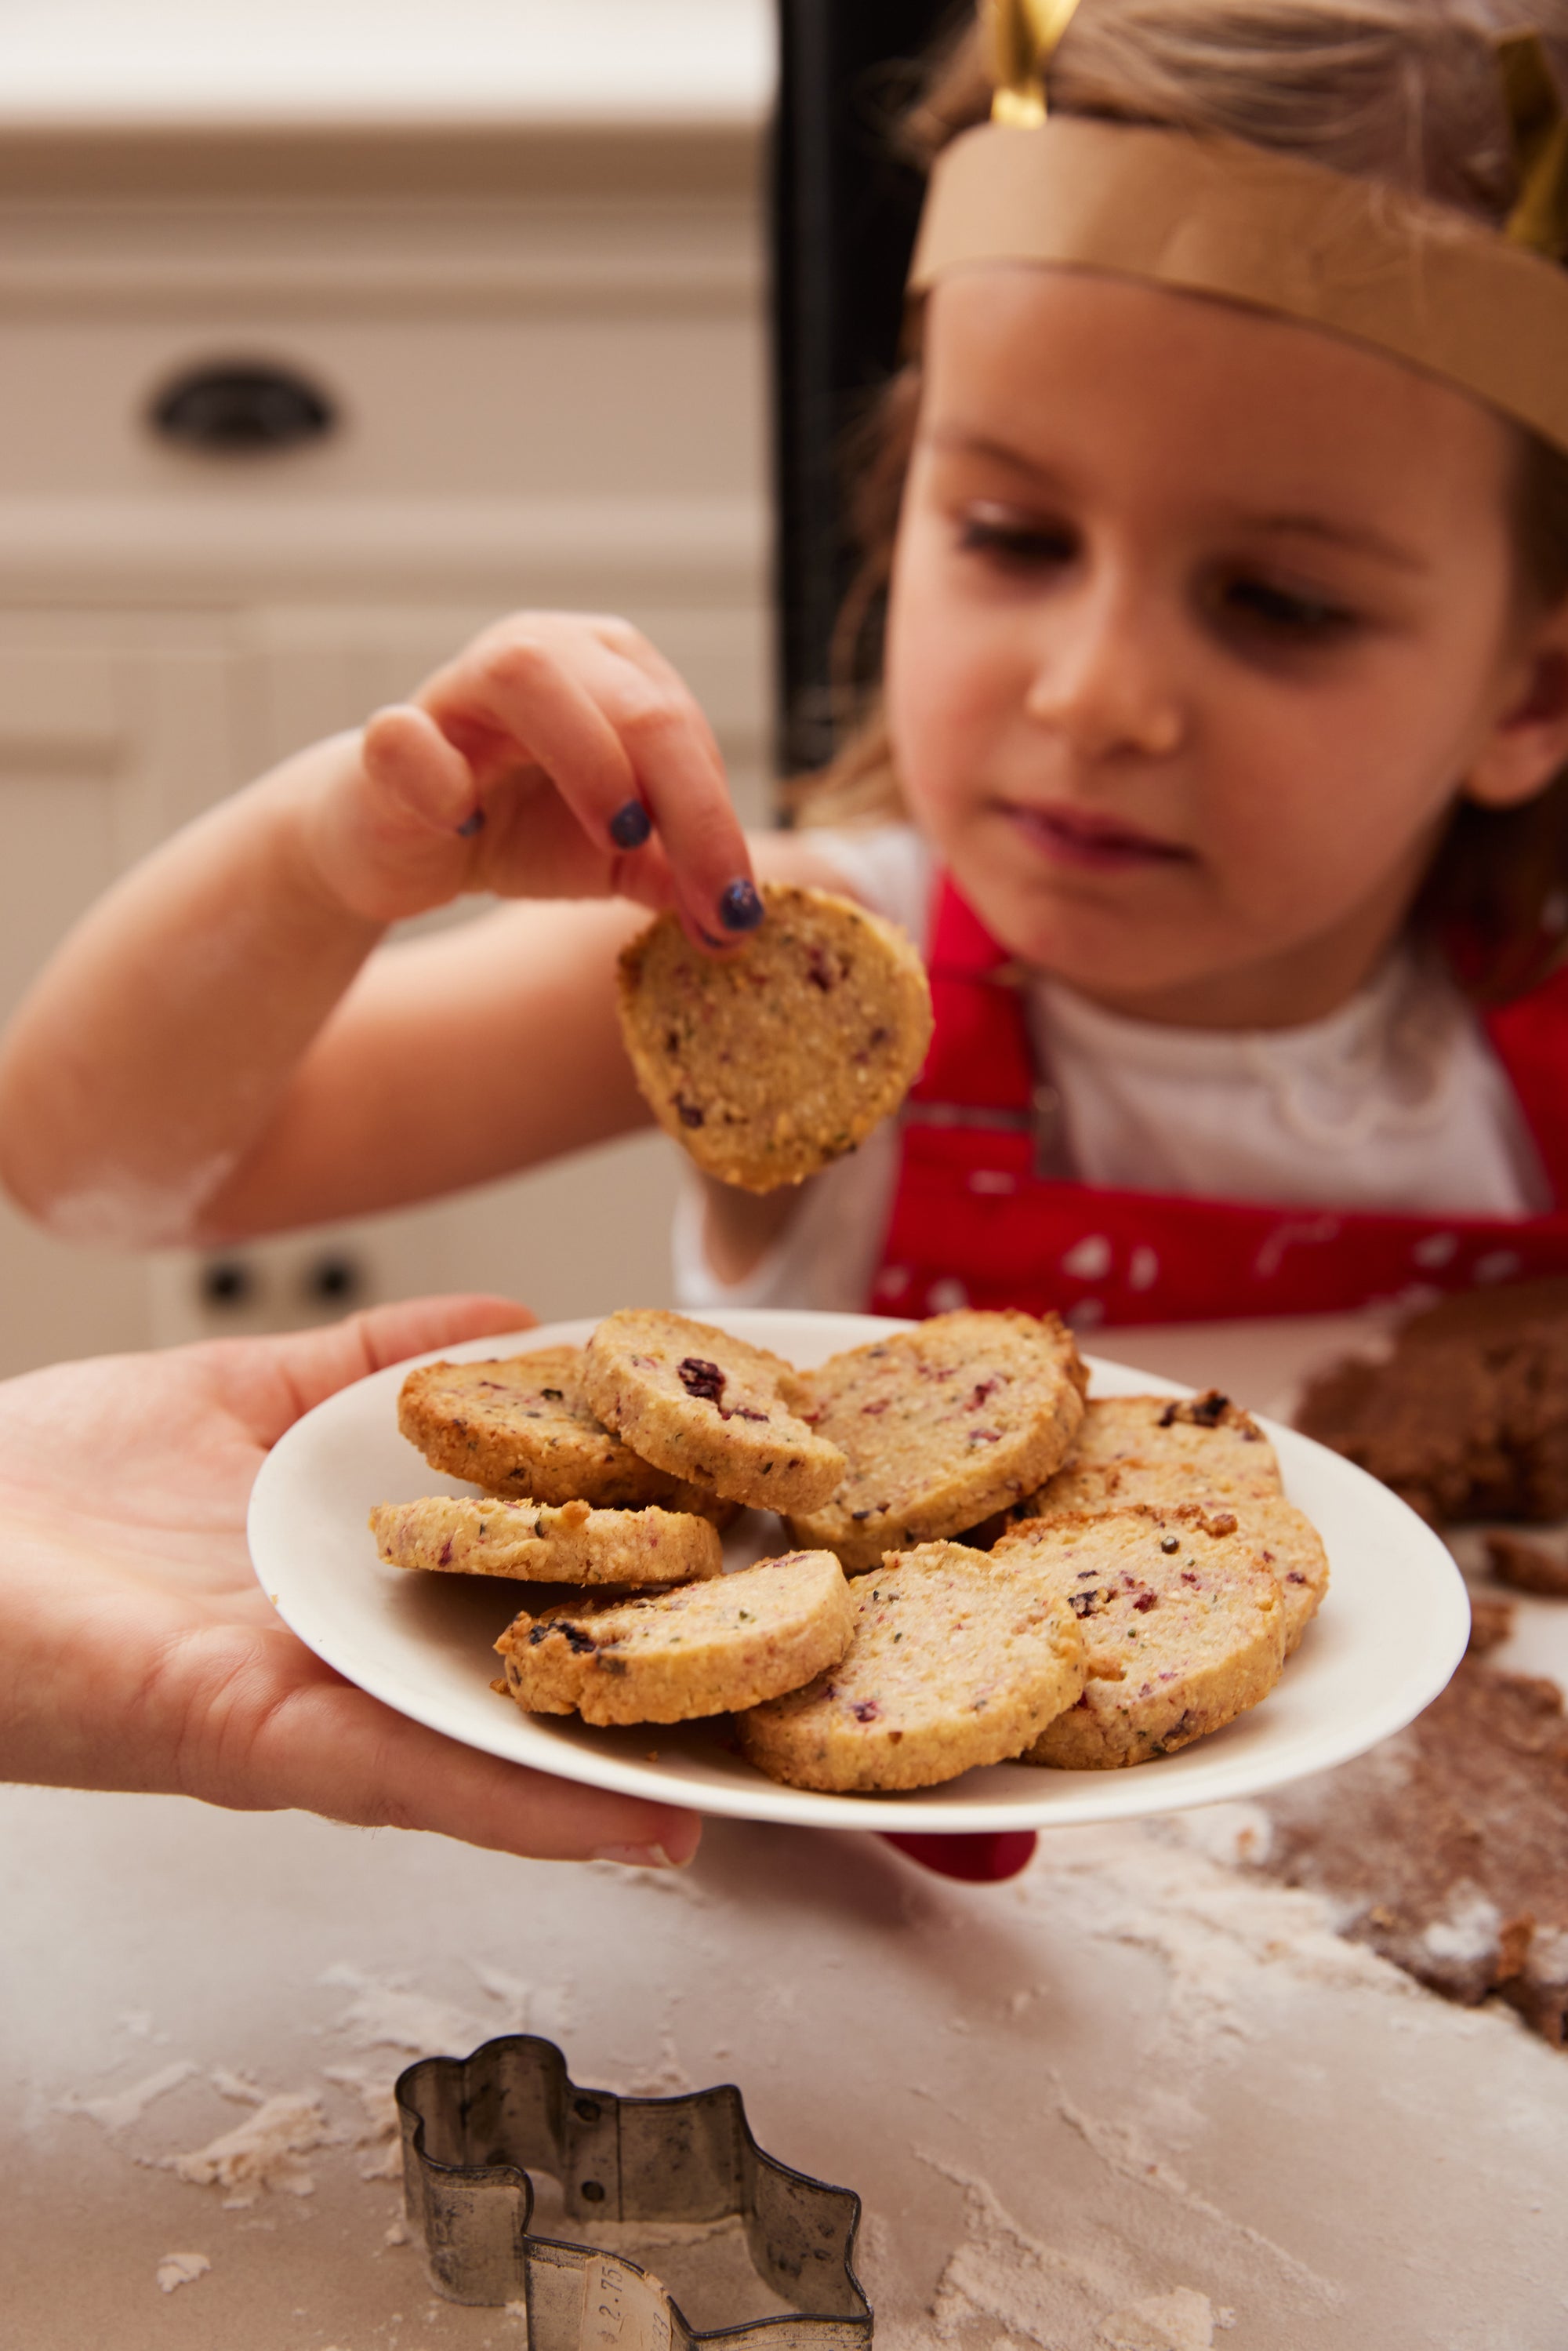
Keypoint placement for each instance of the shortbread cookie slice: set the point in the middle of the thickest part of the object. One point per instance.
(1286, 1541)
(770, 1061)
(1285, 1537)
(709, 1409)
(940, 1425)
(957, 1660)
(704, 1648)
(539, 1543)
(1203, 1450)
(1150, 1449)
(1183, 1622)
(519, 1427)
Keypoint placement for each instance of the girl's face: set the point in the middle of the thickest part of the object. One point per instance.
(1200, 619)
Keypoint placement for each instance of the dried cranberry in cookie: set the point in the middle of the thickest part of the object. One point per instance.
(519, 1427)
(1165, 1450)
(539, 1542)
(709, 1409)
(706, 1648)
(1184, 1626)
(769, 1062)
(1286, 1541)
(940, 1425)
(1151, 1448)
(956, 1660)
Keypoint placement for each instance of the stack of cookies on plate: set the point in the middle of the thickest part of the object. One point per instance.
(984, 1568)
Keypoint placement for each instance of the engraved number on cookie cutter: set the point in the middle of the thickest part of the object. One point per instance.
(473, 2128)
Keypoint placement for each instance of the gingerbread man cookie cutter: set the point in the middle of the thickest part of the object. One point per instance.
(473, 2129)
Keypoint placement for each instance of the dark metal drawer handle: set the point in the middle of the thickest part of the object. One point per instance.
(235, 405)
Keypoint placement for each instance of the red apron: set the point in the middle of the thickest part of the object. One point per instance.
(975, 1221)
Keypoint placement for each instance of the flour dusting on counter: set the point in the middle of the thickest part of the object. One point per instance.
(389, 2015)
(664, 2076)
(1002, 2276)
(379, 2141)
(120, 2109)
(1102, 2109)
(1182, 2321)
(241, 2088)
(181, 2269)
(1001, 2272)
(1133, 2157)
(263, 2152)
(1165, 1888)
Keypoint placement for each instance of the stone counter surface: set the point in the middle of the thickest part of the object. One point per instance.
(1139, 2098)
(1133, 2099)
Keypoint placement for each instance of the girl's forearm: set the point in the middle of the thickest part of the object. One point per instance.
(155, 1047)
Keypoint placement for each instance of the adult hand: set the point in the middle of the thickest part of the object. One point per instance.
(137, 1650)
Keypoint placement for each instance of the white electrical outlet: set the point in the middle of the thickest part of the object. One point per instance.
(281, 1285)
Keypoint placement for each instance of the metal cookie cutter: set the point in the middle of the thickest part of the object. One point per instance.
(472, 2130)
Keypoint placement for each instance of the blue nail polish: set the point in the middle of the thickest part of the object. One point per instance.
(629, 826)
(471, 825)
(739, 907)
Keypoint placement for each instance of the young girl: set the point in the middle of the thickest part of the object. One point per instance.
(1216, 760)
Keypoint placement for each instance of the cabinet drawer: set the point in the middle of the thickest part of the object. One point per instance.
(446, 406)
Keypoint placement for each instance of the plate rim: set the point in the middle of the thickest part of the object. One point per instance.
(1067, 1798)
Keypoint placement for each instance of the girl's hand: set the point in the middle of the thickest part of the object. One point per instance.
(560, 756)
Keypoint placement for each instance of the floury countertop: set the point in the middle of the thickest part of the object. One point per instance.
(1139, 2100)
(1135, 2099)
(80, 65)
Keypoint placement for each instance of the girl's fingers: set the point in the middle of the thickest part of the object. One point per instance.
(410, 762)
(623, 743)
(682, 771)
(514, 701)
(388, 841)
(620, 638)
(696, 823)
(534, 846)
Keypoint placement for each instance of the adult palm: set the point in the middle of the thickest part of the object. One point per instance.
(138, 1652)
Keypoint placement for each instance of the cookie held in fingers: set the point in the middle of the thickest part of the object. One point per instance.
(940, 1427)
(769, 1062)
(543, 1543)
(670, 1657)
(1183, 1622)
(708, 1408)
(519, 1427)
(957, 1660)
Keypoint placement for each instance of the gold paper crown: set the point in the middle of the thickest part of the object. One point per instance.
(1539, 133)
(1024, 39)
(1219, 218)
(1027, 34)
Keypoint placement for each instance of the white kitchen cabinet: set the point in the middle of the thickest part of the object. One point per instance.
(541, 346)
(104, 718)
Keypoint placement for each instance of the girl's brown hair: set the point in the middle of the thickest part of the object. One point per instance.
(1404, 92)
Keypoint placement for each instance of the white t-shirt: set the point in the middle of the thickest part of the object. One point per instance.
(1395, 1102)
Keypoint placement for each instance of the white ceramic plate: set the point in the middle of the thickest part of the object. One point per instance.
(1390, 1633)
